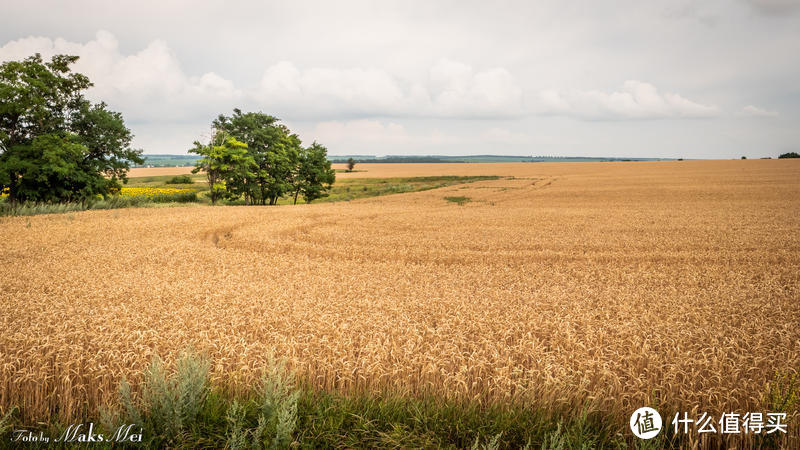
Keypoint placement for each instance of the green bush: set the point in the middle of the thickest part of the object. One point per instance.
(789, 155)
(181, 179)
(181, 197)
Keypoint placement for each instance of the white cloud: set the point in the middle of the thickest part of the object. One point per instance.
(751, 110)
(458, 90)
(370, 136)
(383, 61)
(452, 90)
(327, 91)
(636, 100)
(151, 85)
(146, 85)
(367, 131)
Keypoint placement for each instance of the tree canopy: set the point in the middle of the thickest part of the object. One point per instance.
(55, 145)
(266, 162)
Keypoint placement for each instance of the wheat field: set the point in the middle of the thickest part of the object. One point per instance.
(613, 285)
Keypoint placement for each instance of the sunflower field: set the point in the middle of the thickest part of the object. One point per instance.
(160, 195)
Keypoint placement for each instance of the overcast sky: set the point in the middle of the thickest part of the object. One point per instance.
(692, 79)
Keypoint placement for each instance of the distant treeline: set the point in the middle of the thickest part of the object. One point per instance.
(365, 159)
(190, 160)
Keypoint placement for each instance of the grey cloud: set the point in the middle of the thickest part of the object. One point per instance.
(775, 7)
(636, 100)
(451, 76)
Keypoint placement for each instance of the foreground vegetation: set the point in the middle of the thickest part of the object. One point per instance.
(179, 407)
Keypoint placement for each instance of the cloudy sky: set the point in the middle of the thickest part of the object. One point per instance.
(678, 78)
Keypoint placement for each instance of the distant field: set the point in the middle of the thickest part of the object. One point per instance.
(158, 171)
(573, 287)
(395, 170)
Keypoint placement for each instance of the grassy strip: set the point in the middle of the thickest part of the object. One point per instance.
(179, 408)
(355, 188)
(114, 202)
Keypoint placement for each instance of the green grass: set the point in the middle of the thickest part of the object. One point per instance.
(461, 200)
(355, 188)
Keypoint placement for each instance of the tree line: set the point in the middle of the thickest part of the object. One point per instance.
(251, 156)
(58, 147)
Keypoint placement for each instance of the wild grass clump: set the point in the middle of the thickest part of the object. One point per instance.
(168, 404)
(276, 413)
(181, 409)
(6, 421)
(783, 393)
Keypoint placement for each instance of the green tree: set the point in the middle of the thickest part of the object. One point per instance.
(789, 155)
(277, 163)
(315, 176)
(351, 163)
(257, 131)
(273, 147)
(226, 163)
(285, 164)
(54, 144)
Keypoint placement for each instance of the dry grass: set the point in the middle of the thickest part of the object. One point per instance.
(612, 284)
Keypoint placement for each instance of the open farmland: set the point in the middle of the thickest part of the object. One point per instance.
(602, 285)
(401, 170)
